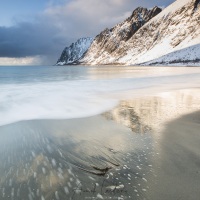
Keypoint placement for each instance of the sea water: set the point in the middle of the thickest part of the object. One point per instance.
(65, 92)
(48, 155)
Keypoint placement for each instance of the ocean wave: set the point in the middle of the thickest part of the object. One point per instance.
(79, 98)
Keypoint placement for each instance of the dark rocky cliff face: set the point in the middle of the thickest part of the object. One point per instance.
(125, 30)
(196, 4)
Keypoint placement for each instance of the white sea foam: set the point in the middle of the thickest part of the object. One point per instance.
(80, 98)
(59, 100)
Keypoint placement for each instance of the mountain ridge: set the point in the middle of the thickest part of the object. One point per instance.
(150, 35)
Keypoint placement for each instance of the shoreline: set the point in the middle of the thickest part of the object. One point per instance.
(125, 153)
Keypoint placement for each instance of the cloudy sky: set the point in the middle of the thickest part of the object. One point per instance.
(36, 32)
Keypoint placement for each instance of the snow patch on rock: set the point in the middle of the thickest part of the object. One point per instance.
(75, 51)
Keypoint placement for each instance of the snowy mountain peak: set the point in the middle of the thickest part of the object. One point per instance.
(148, 35)
(113, 40)
(75, 51)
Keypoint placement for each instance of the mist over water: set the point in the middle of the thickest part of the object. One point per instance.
(51, 92)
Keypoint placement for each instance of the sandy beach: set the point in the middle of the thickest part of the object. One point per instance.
(145, 148)
(178, 171)
(100, 100)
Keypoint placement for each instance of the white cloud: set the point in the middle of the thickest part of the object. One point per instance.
(42, 39)
(89, 17)
(21, 61)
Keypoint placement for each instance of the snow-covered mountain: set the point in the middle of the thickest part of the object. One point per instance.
(75, 51)
(113, 43)
(150, 37)
(105, 41)
(176, 29)
(189, 56)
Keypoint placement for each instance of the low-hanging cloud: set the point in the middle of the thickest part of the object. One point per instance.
(59, 25)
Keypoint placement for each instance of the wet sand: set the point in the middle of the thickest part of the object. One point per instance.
(178, 163)
(146, 148)
(72, 159)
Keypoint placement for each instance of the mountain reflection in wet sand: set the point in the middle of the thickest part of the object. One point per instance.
(90, 157)
(141, 114)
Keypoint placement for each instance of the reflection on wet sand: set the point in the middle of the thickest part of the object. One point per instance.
(152, 112)
(174, 123)
(92, 157)
(64, 159)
